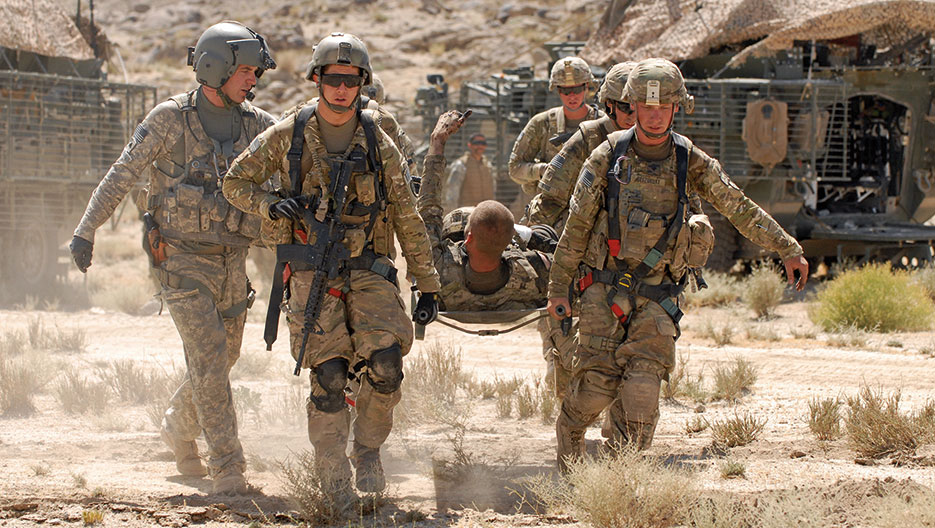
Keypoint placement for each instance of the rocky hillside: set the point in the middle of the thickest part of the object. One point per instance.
(407, 39)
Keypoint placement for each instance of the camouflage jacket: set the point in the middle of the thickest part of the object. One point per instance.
(385, 120)
(650, 190)
(185, 199)
(469, 182)
(526, 287)
(532, 150)
(267, 154)
(550, 206)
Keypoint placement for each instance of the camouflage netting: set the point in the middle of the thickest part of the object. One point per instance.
(42, 27)
(680, 30)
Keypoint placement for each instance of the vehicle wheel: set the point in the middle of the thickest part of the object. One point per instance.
(31, 262)
(726, 243)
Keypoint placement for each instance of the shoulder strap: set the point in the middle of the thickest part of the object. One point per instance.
(682, 146)
(612, 193)
(298, 145)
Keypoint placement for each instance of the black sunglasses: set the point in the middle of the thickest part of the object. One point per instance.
(478, 142)
(337, 79)
(623, 107)
(568, 90)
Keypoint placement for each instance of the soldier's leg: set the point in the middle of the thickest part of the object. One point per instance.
(382, 335)
(594, 383)
(328, 356)
(647, 355)
(204, 339)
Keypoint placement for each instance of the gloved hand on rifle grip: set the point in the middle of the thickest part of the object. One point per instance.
(426, 309)
(288, 208)
(81, 250)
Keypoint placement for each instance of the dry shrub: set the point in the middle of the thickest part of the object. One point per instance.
(55, 339)
(131, 383)
(12, 344)
(721, 333)
(548, 404)
(288, 408)
(722, 290)
(620, 489)
(436, 373)
(762, 290)
(873, 298)
(252, 364)
(506, 389)
(247, 401)
(20, 380)
(307, 490)
(113, 421)
(695, 425)
(78, 395)
(736, 431)
(925, 279)
(164, 384)
(733, 469)
(732, 382)
(848, 337)
(763, 333)
(127, 297)
(915, 509)
(803, 332)
(875, 427)
(682, 384)
(527, 401)
(824, 418)
(504, 405)
(114, 249)
(91, 517)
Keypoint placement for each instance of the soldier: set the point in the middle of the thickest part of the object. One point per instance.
(186, 144)
(545, 133)
(627, 228)
(470, 177)
(335, 145)
(550, 206)
(480, 268)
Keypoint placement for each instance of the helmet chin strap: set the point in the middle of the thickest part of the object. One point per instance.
(338, 109)
(228, 102)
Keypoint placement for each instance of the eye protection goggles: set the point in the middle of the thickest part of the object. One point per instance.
(622, 107)
(568, 90)
(337, 79)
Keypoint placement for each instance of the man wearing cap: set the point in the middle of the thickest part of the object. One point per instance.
(186, 145)
(634, 235)
(470, 177)
(344, 189)
(544, 134)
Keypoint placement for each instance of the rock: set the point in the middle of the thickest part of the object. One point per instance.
(141, 8)
(700, 409)
(797, 454)
(23, 506)
(862, 461)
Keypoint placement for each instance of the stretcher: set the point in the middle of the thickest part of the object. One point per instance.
(488, 317)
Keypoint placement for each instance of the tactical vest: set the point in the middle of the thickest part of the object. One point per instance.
(521, 290)
(188, 204)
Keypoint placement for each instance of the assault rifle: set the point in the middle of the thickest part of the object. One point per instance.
(326, 254)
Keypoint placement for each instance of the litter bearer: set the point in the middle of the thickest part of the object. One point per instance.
(636, 230)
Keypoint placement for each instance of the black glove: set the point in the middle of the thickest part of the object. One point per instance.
(289, 208)
(426, 309)
(81, 252)
(543, 238)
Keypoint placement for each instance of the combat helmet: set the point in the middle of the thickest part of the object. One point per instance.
(375, 91)
(655, 82)
(225, 46)
(570, 71)
(455, 222)
(615, 82)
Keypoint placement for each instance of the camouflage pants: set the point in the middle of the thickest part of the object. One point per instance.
(559, 354)
(619, 368)
(371, 318)
(212, 345)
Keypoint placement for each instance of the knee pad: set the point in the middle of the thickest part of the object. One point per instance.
(639, 393)
(385, 369)
(332, 377)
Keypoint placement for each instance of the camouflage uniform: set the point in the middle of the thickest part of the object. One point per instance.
(550, 206)
(470, 181)
(532, 150)
(364, 315)
(525, 289)
(626, 348)
(204, 281)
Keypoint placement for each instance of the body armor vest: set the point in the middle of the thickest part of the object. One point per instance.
(521, 290)
(187, 201)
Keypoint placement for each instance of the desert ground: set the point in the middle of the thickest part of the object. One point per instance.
(58, 465)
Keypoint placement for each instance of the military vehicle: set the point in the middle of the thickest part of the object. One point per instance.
(62, 124)
(823, 114)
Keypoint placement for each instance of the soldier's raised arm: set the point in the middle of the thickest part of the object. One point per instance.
(430, 197)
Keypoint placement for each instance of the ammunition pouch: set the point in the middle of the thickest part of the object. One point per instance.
(693, 245)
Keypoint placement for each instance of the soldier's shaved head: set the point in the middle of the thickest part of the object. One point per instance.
(491, 225)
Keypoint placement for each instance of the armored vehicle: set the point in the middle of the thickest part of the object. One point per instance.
(62, 124)
(823, 113)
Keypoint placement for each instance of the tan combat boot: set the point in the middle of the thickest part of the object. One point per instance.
(368, 468)
(187, 460)
(229, 483)
(571, 445)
